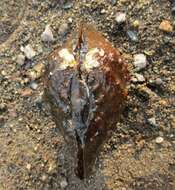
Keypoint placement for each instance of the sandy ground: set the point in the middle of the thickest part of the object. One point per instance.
(141, 154)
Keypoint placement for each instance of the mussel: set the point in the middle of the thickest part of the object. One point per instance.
(86, 88)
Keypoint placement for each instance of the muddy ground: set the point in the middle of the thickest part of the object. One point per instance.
(141, 154)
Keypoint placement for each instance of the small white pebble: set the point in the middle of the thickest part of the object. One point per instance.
(152, 121)
(159, 140)
(103, 11)
(63, 184)
(33, 85)
(158, 81)
(120, 17)
(70, 20)
(47, 35)
(139, 77)
(140, 61)
(28, 166)
(20, 59)
(3, 73)
(28, 51)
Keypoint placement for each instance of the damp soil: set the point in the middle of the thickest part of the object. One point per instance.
(33, 154)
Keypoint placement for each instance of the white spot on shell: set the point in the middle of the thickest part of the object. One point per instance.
(66, 55)
(91, 58)
(68, 59)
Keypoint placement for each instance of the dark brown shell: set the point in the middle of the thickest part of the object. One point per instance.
(86, 104)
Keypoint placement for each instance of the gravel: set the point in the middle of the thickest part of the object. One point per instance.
(139, 77)
(63, 29)
(158, 81)
(28, 51)
(152, 121)
(159, 140)
(63, 184)
(47, 35)
(140, 61)
(120, 17)
(20, 59)
(33, 85)
(132, 35)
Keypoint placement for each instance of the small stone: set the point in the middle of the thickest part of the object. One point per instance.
(113, 2)
(39, 68)
(20, 59)
(173, 9)
(136, 23)
(152, 121)
(28, 166)
(103, 11)
(63, 29)
(68, 5)
(132, 35)
(139, 77)
(44, 178)
(159, 140)
(36, 72)
(63, 184)
(158, 81)
(120, 17)
(39, 101)
(173, 6)
(166, 26)
(70, 20)
(28, 51)
(3, 73)
(25, 92)
(33, 85)
(47, 35)
(140, 61)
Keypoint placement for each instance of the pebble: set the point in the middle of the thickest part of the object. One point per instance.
(173, 9)
(68, 5)
(63, 29)
(113, 2)
(28, 51)
(25, 92)
(132, 35)
(63, 184)
(140, 61)
(28, 166)
(3, 73)
(139, 77)
(166, 26)
(103, 11)
(20, 59)
(120, 17)
(159, 140)
(33, 85)
(36, 72)
(136, 23)
(44, 178)
(47, 35)
(152, 121)
(70, 20)
(39, 101)
(158, 81)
